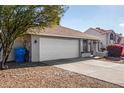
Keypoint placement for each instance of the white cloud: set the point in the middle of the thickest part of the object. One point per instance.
(121, 24)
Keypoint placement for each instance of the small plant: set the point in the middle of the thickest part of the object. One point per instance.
(103, 49)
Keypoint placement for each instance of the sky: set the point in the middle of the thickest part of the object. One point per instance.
(82, 17)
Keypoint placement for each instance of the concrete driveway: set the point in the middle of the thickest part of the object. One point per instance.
(107, 71)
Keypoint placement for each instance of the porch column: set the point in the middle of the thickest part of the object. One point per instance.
(89, 46)
(80, 47)
(97, 44)
(92, 46)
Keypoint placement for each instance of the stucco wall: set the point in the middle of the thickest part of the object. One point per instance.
(35, 42)
(102, 37)
(18, 43)
(81, 45)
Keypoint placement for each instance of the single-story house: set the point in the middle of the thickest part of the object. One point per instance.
(107, 37)
(56, 42)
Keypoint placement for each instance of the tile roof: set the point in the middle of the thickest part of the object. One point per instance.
(102, 30)
(60, 31)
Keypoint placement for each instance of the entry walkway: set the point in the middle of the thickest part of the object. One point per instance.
(107, 71)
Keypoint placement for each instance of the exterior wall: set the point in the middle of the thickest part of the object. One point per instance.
(18, 43)
(35, 48)
(51, 48)
(108, 39)
(38, 46)
(27, 45)
(102, 37)
(92, 32)
(81, 45)
(117, 37)
(104, 41)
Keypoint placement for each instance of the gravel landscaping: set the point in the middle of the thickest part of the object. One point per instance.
(36, 75)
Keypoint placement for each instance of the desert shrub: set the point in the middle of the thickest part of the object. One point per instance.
(103, 49)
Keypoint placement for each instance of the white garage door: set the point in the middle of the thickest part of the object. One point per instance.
(58, 48)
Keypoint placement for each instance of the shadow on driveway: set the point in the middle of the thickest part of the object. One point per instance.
(14, 65)
(65, 61)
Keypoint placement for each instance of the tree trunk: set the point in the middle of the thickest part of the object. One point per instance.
(2, 65)
(6, 52)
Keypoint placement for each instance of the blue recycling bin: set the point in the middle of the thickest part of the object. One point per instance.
(20, 54)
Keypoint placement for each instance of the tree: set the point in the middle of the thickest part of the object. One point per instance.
(16, 20)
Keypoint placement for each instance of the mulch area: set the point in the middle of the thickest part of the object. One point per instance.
(37, 75)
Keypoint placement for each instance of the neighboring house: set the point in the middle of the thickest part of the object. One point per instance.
(107, 37)
(56, 43)
(122, 41)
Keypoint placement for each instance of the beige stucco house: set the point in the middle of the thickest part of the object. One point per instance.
(56, 43)
(106, 36)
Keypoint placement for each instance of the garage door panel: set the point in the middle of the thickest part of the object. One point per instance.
(58, 48)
